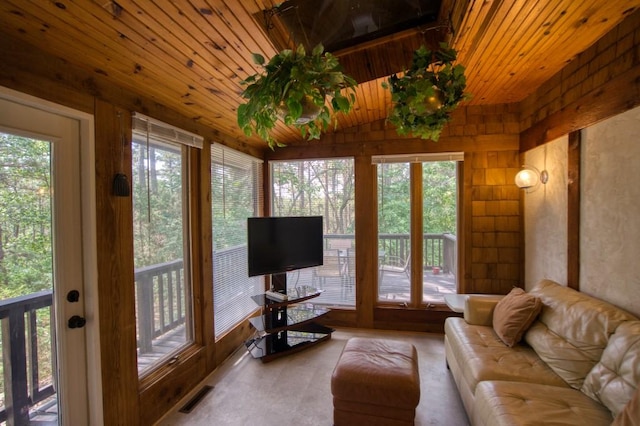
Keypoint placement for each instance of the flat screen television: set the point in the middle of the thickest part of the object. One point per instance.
(281, 244)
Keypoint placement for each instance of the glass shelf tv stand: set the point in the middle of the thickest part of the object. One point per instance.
(287, 326)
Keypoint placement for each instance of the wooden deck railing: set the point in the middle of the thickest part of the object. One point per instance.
(160, 307)
(20, 356)
(159, 288)
(438, 249)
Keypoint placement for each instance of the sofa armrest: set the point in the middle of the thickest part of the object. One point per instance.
(478, 309)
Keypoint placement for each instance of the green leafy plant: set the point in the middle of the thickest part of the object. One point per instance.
(294, 87)
(425, 95)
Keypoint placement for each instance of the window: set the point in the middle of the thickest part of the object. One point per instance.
(236, 194)
(321, 188)
(417, 211)
(161, 242)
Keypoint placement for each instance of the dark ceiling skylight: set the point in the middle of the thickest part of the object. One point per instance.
(339, 24)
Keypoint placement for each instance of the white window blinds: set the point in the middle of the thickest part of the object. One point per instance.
(163, 132)
(418, 158)
(236, 194)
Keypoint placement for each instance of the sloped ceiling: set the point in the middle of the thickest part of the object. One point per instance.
(190, 55)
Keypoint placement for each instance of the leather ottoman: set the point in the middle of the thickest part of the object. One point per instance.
(376, 382)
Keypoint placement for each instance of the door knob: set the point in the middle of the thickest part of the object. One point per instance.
(76, 322)
(73, 296)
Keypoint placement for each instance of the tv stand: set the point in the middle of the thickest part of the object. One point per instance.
(286, 326)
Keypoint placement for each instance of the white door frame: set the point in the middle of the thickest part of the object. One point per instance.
(89, 258)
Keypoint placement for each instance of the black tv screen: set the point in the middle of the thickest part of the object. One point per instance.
(281, 244)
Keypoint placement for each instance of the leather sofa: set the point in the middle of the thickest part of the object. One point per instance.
(578, 362)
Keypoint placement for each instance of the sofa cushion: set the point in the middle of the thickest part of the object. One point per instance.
(514, 314)
(572, 330)
(630, 416)
(512, 404)
(615, 378)
(481, 355)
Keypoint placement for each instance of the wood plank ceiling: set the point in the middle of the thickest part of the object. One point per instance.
(190, 55)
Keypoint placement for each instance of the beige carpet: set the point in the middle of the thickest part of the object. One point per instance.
(296, 390)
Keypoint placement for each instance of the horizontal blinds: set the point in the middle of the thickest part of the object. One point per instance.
(418, 158)
(163, 132)
(236, 194)
(232, 158)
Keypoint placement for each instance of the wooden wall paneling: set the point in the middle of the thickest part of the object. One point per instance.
(40, 74)
(173, 55)
(122, 69)
(417, 249)
(366, 240)
(35, 79)
(374, 143)
(164, 389)
(536, 42)
(428, 320)
(155, 54)
(116, 296)
(489, 48)
(573, 213)
(614, 97)
(600, 82)
(340, 317)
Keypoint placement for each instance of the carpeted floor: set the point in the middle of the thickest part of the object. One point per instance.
(296, 390)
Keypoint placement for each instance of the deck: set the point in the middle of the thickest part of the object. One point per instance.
(336, 291)
(339, 291)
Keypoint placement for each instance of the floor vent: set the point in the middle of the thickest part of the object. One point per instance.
(189, 406)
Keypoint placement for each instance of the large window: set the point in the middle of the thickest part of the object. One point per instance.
(321, 188)
(417, 212)
(164, 320)
(236, 194)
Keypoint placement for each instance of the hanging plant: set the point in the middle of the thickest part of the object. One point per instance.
(294, 88)
(425, 95)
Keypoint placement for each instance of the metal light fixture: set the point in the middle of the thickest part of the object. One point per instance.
(530, 178)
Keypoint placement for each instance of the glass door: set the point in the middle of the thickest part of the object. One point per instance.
(417, 228)
(43, 368)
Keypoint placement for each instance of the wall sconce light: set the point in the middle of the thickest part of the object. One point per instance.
(530, 178)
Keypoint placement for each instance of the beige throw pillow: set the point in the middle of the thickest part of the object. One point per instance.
(514, 314)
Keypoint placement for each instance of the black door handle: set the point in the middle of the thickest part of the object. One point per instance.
(73, 296)
(76, 322)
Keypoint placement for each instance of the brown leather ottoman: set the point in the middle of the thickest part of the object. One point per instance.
(376, 382)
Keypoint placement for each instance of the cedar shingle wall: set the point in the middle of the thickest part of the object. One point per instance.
(495, 223)
(609, 58)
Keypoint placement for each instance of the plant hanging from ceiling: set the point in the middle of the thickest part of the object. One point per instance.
(294, 87)
(425, 95)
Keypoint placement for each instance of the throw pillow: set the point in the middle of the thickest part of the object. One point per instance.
(514, 314)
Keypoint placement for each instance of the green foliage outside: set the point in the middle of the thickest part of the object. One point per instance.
(26, 263)
(326, 187)
(157, 204)
(232, 203)
(316, 187)
(438, 197)
(25, 216)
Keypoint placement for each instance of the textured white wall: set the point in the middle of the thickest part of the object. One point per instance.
(610, 211)
(545, 216)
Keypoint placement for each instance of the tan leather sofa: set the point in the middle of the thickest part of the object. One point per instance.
(578, 363)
